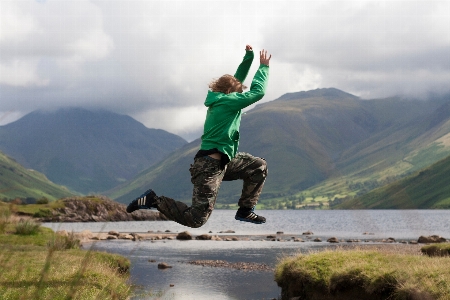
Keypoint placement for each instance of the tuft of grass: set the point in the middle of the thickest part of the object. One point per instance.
(27, 227)
(32, 266)
(36, 273)
(63, 242)
(442, 249)
(363, 273)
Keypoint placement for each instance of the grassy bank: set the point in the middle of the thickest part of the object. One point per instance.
(35, 263)
(364, 274)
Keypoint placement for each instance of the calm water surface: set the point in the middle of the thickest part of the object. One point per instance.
(197, 282)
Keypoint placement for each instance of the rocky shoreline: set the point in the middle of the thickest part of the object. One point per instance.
(95, 209)
(86, 237)
(229, 235)
(389, 244)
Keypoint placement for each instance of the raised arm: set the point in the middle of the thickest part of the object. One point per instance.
(258, 86)
(244, 67)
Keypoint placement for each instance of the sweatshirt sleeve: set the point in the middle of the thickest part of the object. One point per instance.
(244, 67)
(237, 101)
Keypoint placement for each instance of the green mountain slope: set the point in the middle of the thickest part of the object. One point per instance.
(318, 142)
(87, 151)
(427, 188)
(18, 182)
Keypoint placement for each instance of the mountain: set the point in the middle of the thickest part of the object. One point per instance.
(18, 182)
(87, 151)
(324, 139)
(427, 188)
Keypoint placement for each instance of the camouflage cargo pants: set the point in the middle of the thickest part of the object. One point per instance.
(206, 175)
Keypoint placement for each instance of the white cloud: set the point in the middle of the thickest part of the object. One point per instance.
(154, 59)
(186, 121)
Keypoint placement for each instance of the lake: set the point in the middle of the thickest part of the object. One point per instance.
(197, 282)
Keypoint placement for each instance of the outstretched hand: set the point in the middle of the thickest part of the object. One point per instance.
(263, 59)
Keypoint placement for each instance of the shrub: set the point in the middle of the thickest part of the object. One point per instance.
(42, 213)
(42, 200)
(27, 227)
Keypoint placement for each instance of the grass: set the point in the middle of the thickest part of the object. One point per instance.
(39, 264)
(27, 227)
(437, 249)
(364, 273)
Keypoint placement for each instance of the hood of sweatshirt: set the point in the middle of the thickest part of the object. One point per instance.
(213, 97)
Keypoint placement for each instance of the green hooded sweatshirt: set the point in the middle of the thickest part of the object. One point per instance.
(221, 129)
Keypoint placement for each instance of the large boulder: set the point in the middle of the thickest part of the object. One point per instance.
(431, 239)
(97, 209)
(185, 235)
(203, 237)
(333, 240)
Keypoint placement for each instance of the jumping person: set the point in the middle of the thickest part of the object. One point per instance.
(217, 159)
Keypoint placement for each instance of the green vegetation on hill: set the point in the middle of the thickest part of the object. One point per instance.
(87, 151)
(320, 146)
(427, 188)
(18, 182)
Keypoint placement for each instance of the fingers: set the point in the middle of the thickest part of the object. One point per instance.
(248, 48)
(263, 57)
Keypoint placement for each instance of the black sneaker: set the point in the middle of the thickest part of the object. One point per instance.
(145, 201)
(249, 216)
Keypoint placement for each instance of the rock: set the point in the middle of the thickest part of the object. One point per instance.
(203, 237)
(390, 240)
(185, 235)
(280, 232)
(271, 237)
(97, 209)
(298, 240)
(152, 260)
(62, 232)
(333, 240)
(227, 231)
(136, 237)
(167, 230)
(85, 234)
(111, 237)
(317, 240)
(308, 233)
(172, 285)
(125, 236)
(113, 232)
(234, 238)
(164, 265)
(431, 239)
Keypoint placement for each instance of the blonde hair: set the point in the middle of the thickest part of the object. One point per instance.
(227, 84)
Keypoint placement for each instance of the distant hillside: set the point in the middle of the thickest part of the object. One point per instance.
(427, 188)
(87, 151)
(323, 138)
(18, 182)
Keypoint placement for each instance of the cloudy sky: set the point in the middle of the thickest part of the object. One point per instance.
(153, 59)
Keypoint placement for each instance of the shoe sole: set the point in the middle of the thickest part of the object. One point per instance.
(248, 220)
